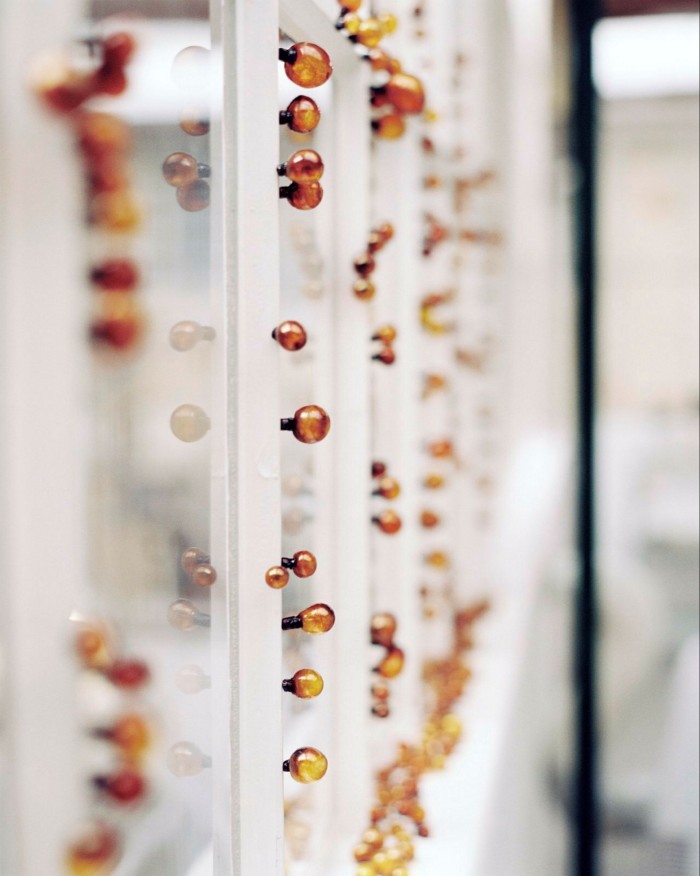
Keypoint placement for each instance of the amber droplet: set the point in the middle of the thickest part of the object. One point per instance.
(290, 335)
(388, 488)
(305, 166)
(365, 290)
(387, 355)
(383, 629)
(306, 684)
(116, 275)
(180, 168)
(429, 520)
(303, 197)
(129, 674)
(205, 575)
(303, 564)
(302, 115)
(434, 482)
(194, 196)
(95, 852)
(365, 265)
(405, 93)
(389, 522)
(389, 127)
(317, 619)
(386, 334)
(277, 578)
(124, 787)
(195, 123)
(307, 765)
(307, 65)
(392, 664)
(192, 558)
(370, 33)
(310, 424)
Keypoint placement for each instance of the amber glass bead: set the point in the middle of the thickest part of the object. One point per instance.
(392, 664)
(382, 61)
(387, 231)
(389, 522)
(383, 629)
(290, 335)
(129, 674)
(387, 334)
(387, 355)
(194, 196)
(180, 168)
(302, 115)
(381, 692)
(310, 424)
(130, 734)
(438, 560)
(116, 275)
(370, 33)
(118, 212)
(365, 290)
(389, 127)
(429, 520)
(351, 5)
(204, 575)
(303, 564)
(305, 166)
(307, 765)
(388, 488)
(363, 853)
(379, 469)
(124, 787)
(352, 24)
(192, 558)
(305, 684)
(277, 578)
(441, 449)
(365, 265)
(315, 620)
(434, 482)
(92, 649)
(405, 93)
(95, 852)
(388, 22)
(375, 242)
(303, 197)
(195, 123)
(374, 838)
(307, 65)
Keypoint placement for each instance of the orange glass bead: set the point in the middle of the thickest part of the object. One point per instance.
(307, 65)
(365, 265)
(365, 290)
(387, 231)
(302, 115)
(305, 684)
(303, 197)
(438, 560)
(101, 136)
(129, 674)
(388, 22)
(305, 166)
(434, 482)
(443, 449)
(277, 578)
(370, 33)
(117, 212)
(382, 61)
(388, 488)
(387, 355)
(95, 852)
(92, 649)
(389, 127)
(124, 787)
(195, 123)
(303, 564)
(383, 629)
(386, 333)
(116, 275)
(310, 424)
(315, 620)
(389, 522)
(180, 168)
(194, 196)
(429, 520)
(307, 765)
(290, 335)
(392, 664)
(405, 93)
(205, 575)
(130, 734)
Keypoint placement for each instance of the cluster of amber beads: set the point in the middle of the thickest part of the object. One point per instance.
(385, 335)
(197, 564)
(190, 179)
(95, 851)
(383, 629)
(387, 847)
(365, 265)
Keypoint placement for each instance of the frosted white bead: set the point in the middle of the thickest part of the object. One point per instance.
(185, 336)
(192, 680)
(314, 289)
(184, 615)
(185, 760)
(189, 423)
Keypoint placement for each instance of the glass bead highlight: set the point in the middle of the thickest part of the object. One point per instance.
(307, 65)
(189, 423)
(306, 684)
(307, 765)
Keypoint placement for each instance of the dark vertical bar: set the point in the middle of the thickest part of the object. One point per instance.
(584, 14)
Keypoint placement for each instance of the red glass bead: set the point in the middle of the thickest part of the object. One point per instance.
(365, 265)
(379, 469)
(120, 331)
(129, 674)
(387, 355)
(124, 787)
(116, 275)
(119, 48)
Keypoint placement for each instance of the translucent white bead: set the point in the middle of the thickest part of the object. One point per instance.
(313, 290)
(185, 760)
(192, 680)
(186, 335)
(313, 265)
(293, 521)
(189, 423)
(185, 616)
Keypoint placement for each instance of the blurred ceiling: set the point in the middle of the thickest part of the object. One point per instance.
(649, 7)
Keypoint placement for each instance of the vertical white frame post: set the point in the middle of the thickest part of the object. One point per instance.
(247, 638)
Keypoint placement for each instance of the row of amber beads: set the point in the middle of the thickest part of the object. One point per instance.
(386, 335)
(365, 265)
